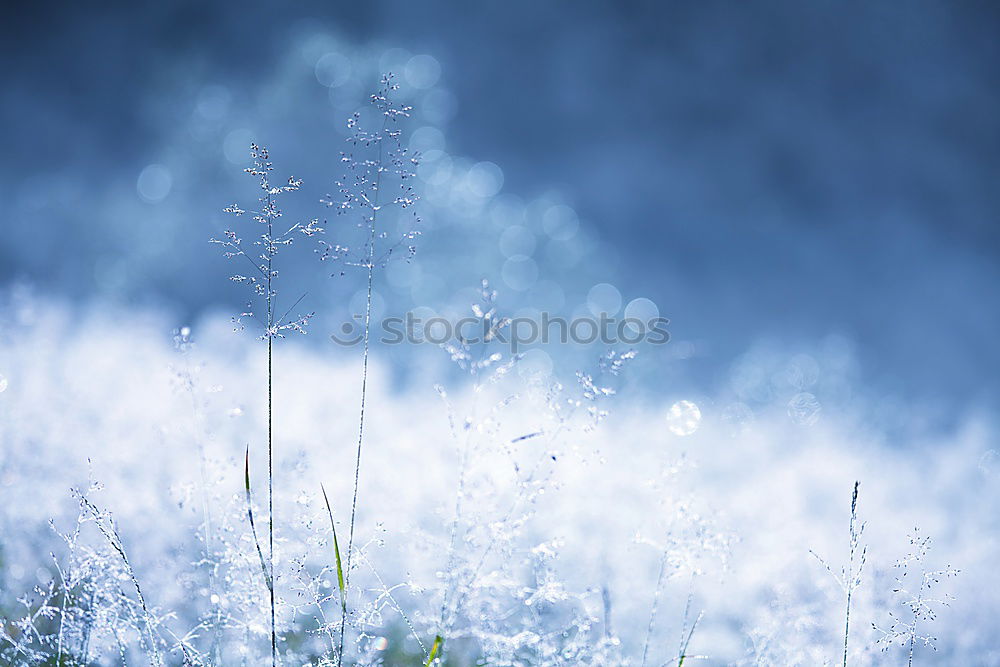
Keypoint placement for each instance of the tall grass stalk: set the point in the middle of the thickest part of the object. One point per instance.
(361, 189)
(849, 578)
(261, 283)
(370, 266)
(855, 579)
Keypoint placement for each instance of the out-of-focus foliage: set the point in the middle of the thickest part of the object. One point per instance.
(566, 531)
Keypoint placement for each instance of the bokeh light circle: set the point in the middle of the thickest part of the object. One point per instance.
(519, 272)
(604, 298)
(154, 183)
(683, 418)
(422, 71)
(333, 70)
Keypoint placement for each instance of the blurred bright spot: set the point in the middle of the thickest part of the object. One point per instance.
(154, 183)
(394, 61)
(560, 222)
(438, 106)
(314, 45)
(435, 167)
(604, 298)
(3, 384)
(804, 409)
(381, 644)
(535, 364)
(333, 69)
(426, 138)
(213, 102)
(517, 240)
(422, 71)
(683, 418)
(484, 179)
(641, 309)
(519, 272)
(236, 146)
(801, 372)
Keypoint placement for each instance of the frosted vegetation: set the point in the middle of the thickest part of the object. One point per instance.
(214, 498)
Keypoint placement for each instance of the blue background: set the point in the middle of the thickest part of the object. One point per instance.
(775, 171)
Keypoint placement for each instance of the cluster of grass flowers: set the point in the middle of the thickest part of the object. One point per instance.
(477, 579)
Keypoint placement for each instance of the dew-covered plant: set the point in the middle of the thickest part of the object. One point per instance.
(849, 576)
(915, 582)
(377, 183)
(494, 588)
(261, 278)
(688, 543)
(93, 606)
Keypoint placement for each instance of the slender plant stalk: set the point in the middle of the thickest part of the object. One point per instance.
(370, 264)
(270, 429)
(660, 577)
(850, 568)
(364, 394)
(850, 577)
(263, 287)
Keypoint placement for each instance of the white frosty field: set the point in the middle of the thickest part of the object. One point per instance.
(560, 535)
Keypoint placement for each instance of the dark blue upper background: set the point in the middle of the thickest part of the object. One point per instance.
(774, 170)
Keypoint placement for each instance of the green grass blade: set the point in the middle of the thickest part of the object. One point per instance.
(435, 650)
(687, 642)
(336, 549)
(253, 527)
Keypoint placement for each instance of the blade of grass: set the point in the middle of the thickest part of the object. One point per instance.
(253, 528)
(340, 578)
(336, 549)
(435, 650)
(687, 641)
